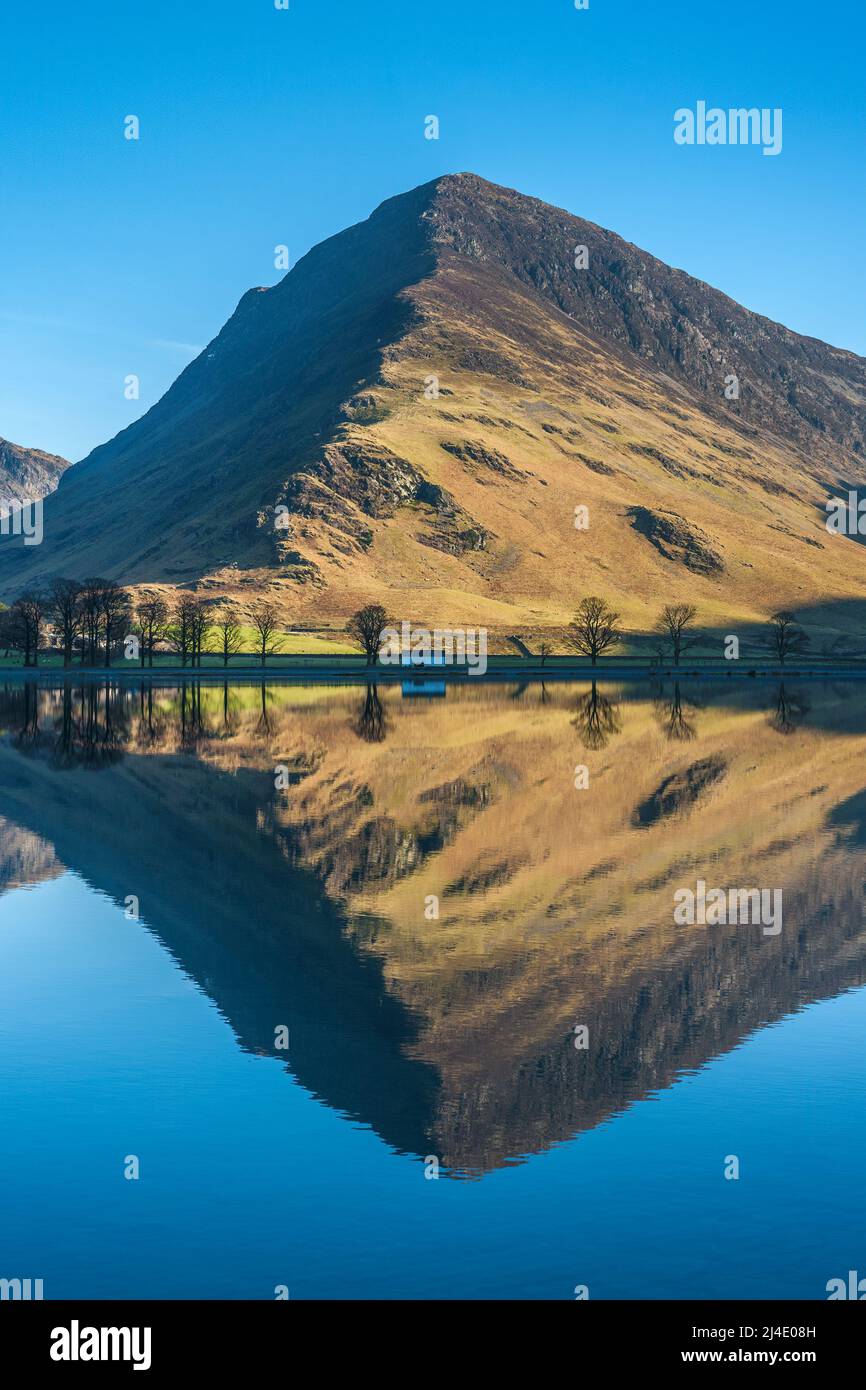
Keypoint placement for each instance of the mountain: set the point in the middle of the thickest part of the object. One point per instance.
(424, 400)
(28, 474)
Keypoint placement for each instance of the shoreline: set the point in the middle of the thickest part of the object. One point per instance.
(515, 671)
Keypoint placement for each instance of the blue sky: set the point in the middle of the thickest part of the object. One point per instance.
(261, 127)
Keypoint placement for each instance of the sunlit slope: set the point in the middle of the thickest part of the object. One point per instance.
(682, 503)
(414, 414)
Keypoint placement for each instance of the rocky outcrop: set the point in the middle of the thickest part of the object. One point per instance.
(677, 540)
(478, 458)
(26, 475)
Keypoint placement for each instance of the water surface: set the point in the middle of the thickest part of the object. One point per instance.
(415, 889)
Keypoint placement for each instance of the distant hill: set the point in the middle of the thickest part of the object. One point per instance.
(28, 474)
(605, 386)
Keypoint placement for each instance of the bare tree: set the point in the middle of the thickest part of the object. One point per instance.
(229, 635)
(786, 637)
(115, 608)
(202, 623)
(672, 626)
(365, 628)
(67, 614)
(152, 614)
(545, 649)
(8, 630)
(28, 615)
(91, 615)
(266, 623)
(595, 628)
(181, 630)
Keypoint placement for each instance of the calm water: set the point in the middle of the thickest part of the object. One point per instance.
(166, 909)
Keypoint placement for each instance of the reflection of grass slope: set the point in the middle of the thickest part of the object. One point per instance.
(589, 904)
(529, 757)
(555, 907)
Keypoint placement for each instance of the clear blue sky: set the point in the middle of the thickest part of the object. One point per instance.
(261, 127)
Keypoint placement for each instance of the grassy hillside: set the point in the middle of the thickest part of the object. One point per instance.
(414, 413)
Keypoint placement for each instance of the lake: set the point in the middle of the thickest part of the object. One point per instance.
(358, 992)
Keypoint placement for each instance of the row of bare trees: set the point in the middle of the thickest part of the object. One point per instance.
(96, 618)
(88, 617)
(97, 621)
(597, 629)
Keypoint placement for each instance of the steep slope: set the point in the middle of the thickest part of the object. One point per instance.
(415, 411)
(28, 474)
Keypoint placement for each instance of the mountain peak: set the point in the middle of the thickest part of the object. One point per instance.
(426, 396)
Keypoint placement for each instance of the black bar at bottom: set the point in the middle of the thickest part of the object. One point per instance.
(243, 1337)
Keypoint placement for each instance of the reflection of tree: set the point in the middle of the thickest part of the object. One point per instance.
(671, 715)
(231, 715)
(596, 718)
(190, 717)
(265, 723)
(28, 733)
(194, 728)
(92, 723)
(92, 726)
(371, 724)
(151, 723)
(791, 708)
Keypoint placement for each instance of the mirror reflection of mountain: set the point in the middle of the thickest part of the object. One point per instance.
(306, 901)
